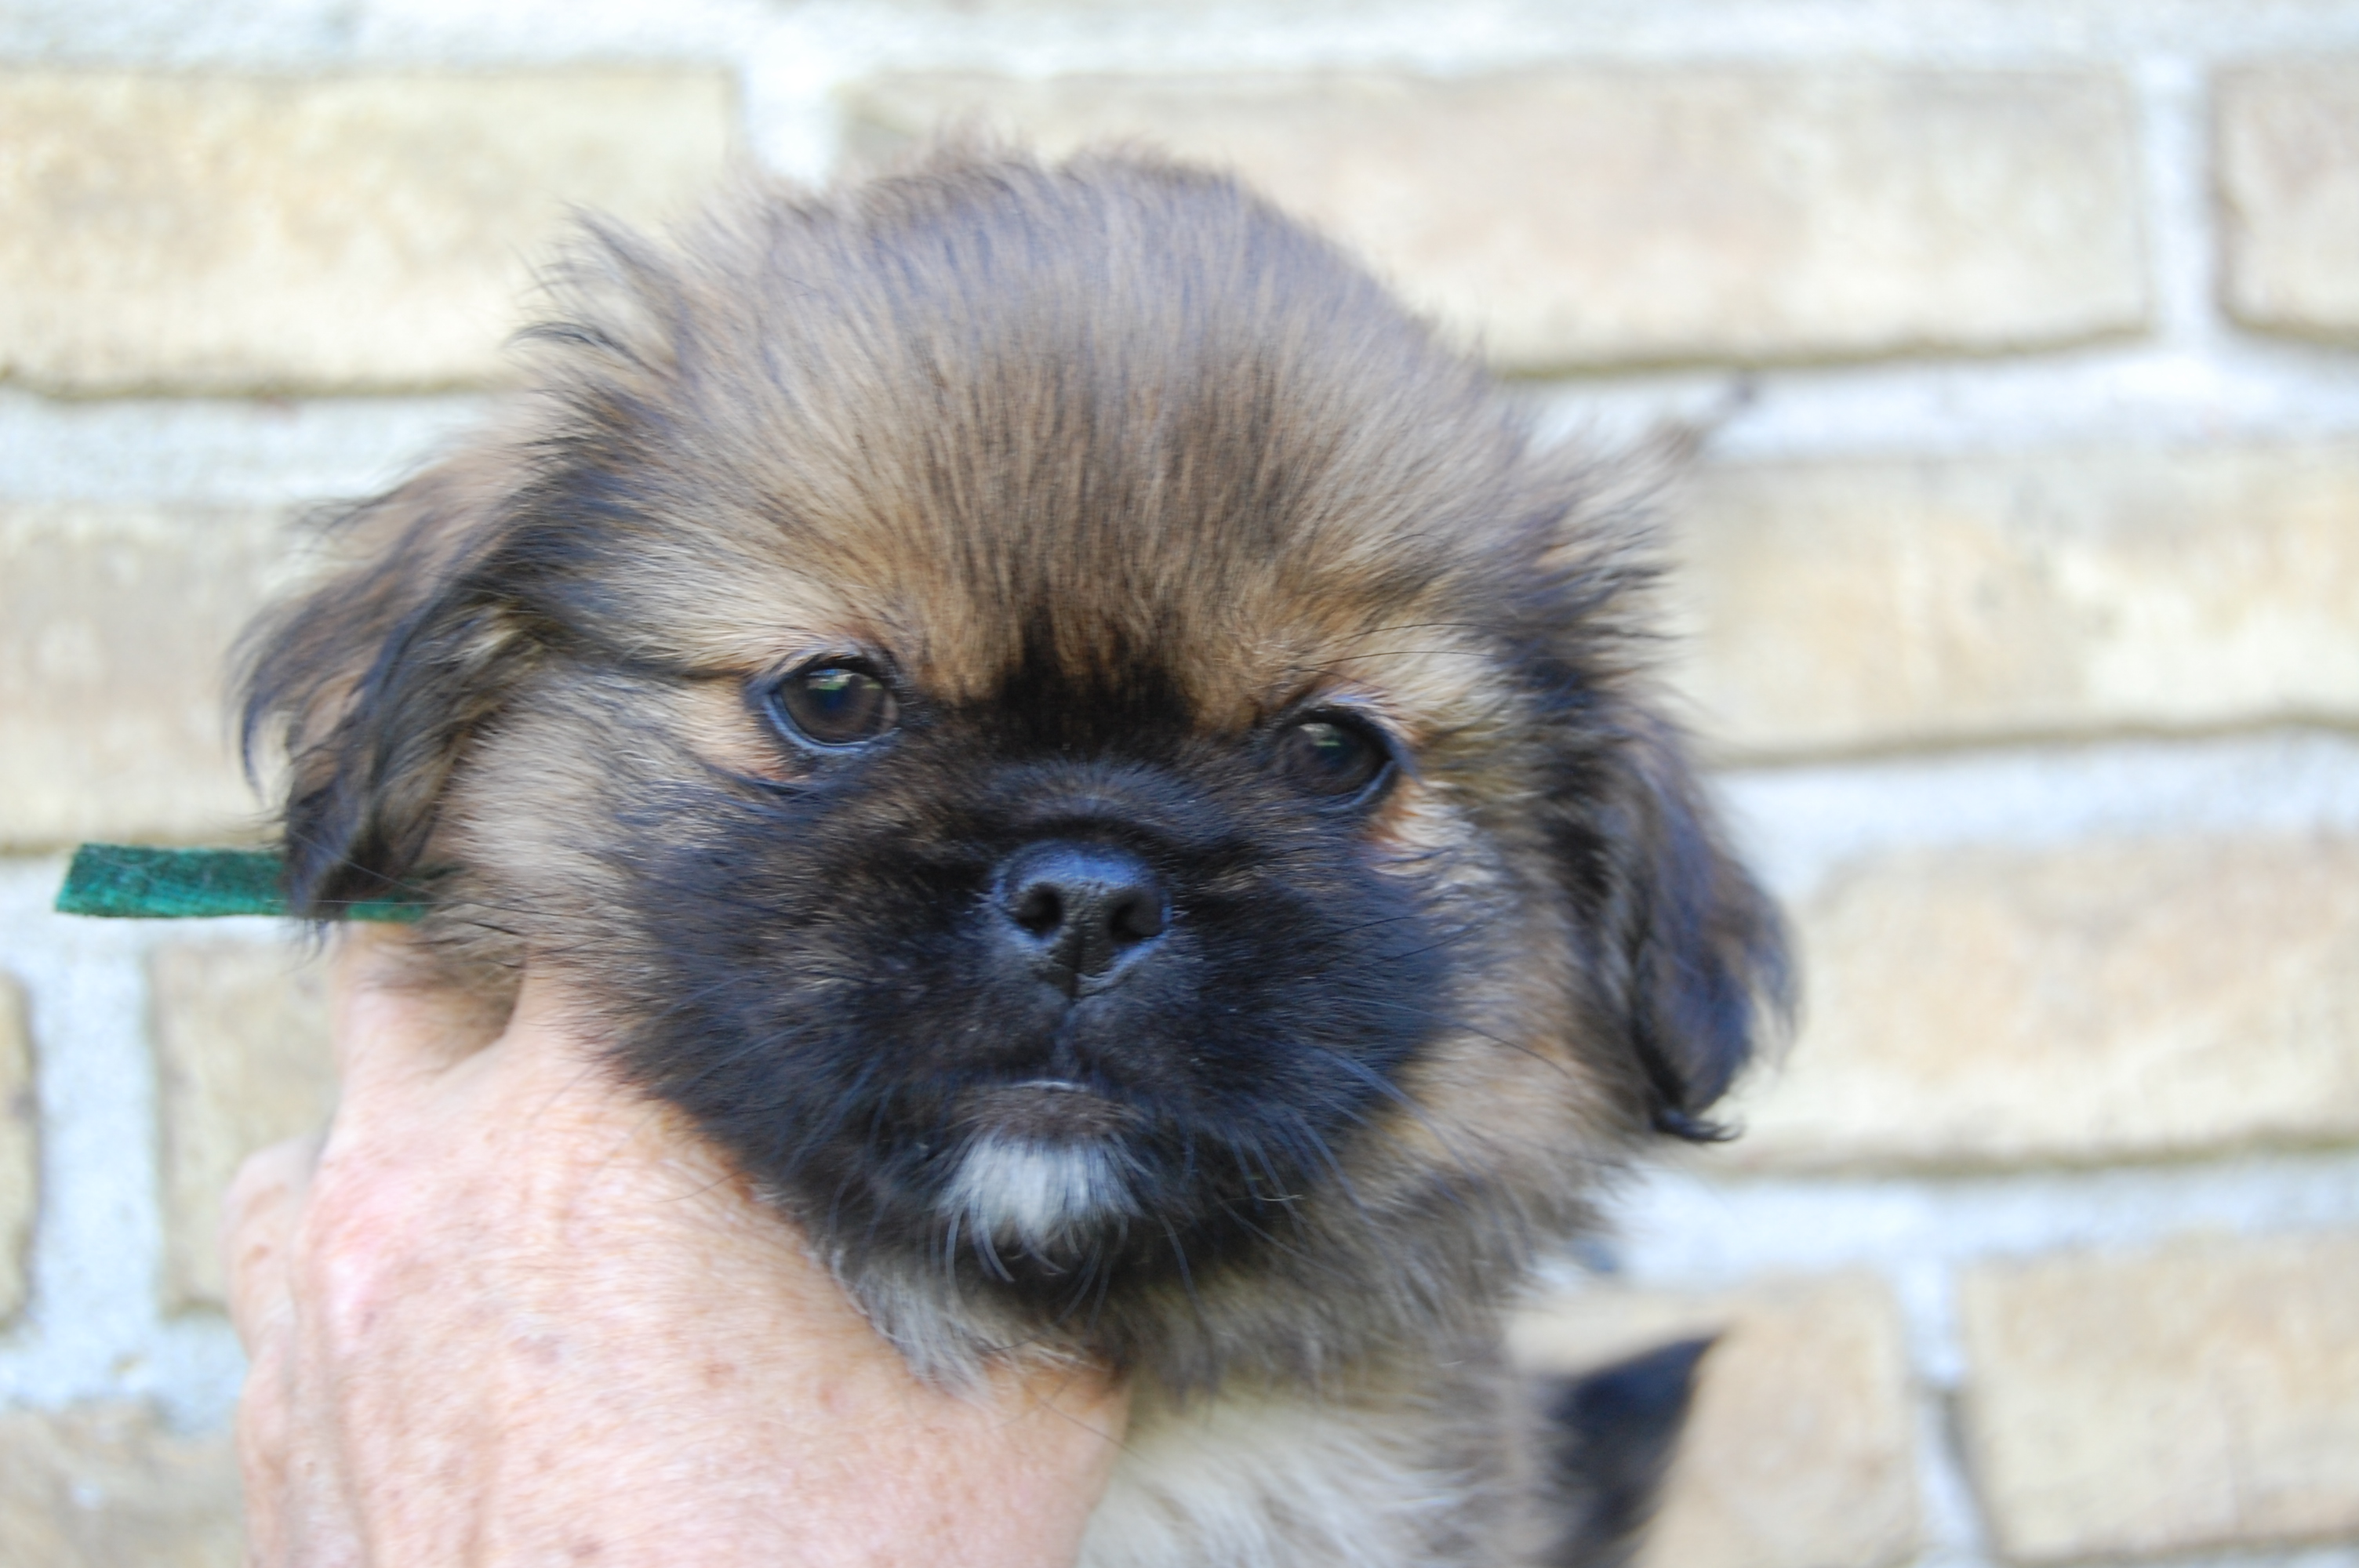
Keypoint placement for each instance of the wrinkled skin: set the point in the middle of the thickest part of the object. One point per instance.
(510, 1311)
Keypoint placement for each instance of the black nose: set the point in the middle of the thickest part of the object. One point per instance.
(1082, 910)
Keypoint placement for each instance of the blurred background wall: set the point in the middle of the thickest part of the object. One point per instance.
(2021, 580)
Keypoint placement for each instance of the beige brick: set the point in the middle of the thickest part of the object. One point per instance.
(2200, 1396)
(115, 626)
(1871, 604)
(1800, 1449)
(218, 233)
(2104, 1000)
(107, 1487)
(19, 1149)
(2288, 158)
(242, 1061)
(1589, 218)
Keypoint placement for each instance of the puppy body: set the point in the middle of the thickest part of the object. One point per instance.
(1097, 761)
(1277, 1476)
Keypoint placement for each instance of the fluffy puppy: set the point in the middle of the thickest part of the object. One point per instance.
(1102, 764)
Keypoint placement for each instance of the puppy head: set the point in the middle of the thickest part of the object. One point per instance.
(1073, 739)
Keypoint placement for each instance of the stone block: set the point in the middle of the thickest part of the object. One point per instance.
(242, 1061)
(2104, 1000)
(1582, 218)
(1836, 606)
(221, 234)
(1800, 1448)
(2287, 155)
(107, 1487)
(2201, 1396)
(19, 1149)
(115, 628)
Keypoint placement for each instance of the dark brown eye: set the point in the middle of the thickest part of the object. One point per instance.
(835, 705)
(1333, 757)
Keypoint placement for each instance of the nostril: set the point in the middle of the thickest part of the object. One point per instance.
(1039, 908)
(1136, 914)
(1084, 909)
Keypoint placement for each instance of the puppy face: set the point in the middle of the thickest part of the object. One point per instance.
(1072, 739)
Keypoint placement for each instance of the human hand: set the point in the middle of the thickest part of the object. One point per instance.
(513, 1311)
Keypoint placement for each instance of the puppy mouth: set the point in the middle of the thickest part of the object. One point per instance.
(1045, 1110)
(1042, 1168)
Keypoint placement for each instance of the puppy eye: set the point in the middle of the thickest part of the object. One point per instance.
(835, 705)
(1333, 757)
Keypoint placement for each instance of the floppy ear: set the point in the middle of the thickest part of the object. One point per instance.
(1611, 1436)
(375, 679)
(1690, 952)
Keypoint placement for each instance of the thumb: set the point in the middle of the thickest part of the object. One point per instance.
(395, 1015)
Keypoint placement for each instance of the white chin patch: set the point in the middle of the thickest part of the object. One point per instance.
(1030, 1193)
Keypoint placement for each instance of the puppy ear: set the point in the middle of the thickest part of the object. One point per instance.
(1691, 953)
(375, 679)
(1610, 1436)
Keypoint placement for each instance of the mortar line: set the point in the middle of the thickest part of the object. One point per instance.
(1958, 34)
(2172, 100)
(95, 1327)
(1957, 1528)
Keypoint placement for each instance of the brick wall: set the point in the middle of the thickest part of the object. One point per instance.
(2021, 584)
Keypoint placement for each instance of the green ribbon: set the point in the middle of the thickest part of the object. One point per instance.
(133, 881)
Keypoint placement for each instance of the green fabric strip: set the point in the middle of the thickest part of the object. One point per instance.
(133, 881)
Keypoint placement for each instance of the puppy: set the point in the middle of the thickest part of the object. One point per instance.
(1101, 763)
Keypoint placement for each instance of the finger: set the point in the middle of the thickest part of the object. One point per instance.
(394, 1018)
(297, 1505)
(259, 1217)
(553, 1044)
(548, 1014)
(265, 1440)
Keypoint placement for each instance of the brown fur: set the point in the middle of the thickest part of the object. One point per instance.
(1115, 473)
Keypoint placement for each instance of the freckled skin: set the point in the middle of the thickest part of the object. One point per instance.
(394, 1296)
